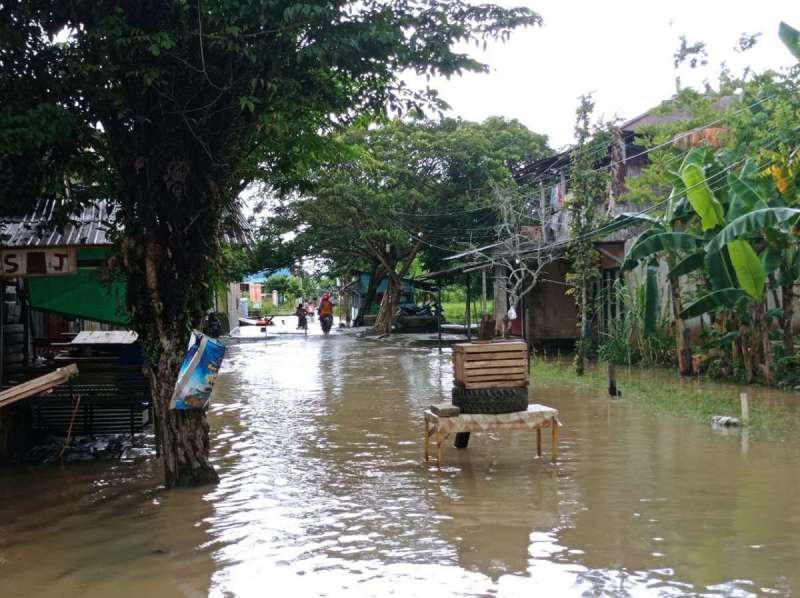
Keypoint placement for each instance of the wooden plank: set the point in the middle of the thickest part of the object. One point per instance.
(37, 385)
(502, 355)
(445, 410)
(458, 368)
(490, 347)
(496, 371)
(498, 363)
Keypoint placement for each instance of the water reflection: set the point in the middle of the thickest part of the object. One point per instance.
(323, 492)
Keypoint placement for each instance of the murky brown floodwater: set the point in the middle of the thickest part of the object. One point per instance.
(318, 442)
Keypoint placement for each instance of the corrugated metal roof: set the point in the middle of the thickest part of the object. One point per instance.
(88, 226)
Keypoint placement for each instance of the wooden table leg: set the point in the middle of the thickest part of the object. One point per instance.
(554, 446)
(462, 440)
(427, 440)
(440, 439)
(539, 442)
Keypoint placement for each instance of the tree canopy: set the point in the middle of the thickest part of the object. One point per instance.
(171, 108)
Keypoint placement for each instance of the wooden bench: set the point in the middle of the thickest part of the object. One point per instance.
(535, 418)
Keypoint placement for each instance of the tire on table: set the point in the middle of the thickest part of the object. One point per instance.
(490, 400)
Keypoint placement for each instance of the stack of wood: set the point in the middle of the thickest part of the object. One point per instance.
(38, 386)
(502, 364)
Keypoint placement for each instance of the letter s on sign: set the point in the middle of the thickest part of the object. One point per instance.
(10, 263)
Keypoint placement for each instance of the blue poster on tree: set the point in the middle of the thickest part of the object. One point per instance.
(198, 373)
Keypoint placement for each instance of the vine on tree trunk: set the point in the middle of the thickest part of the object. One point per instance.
(589, 187)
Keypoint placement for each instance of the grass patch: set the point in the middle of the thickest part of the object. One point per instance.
(454, 311)
(663, 391)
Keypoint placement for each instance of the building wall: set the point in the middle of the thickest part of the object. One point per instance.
(255, 293)
(551, 313)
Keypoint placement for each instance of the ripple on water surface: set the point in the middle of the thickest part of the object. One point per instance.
(318, 442)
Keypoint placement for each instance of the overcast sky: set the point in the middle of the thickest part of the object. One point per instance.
(621, 50)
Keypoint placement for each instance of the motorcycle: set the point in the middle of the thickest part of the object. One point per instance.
(326, 322)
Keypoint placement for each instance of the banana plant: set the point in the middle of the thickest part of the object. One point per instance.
(791, 38)
(724, 225)
(679, 237)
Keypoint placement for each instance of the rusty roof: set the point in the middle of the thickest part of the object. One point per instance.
(87, 226)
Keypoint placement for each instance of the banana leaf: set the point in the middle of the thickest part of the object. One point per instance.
(687, 265)
(651, 301)
(727, 298)
(662, 241)
(791, 37)
(626, 220)
(752, 223)
(748, 267)
(697, 155)
(720, 270)
(728, 338)
(700, 196)
(744, 198)
(680, 210)
(626, 263)
(771, 259)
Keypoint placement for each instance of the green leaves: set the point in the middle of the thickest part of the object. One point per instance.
(753, 223)
(725, 298)
(744, 198)
(748, 267)
(700, 196)
(720, 270)
(647, 246)
(688, 265)
(791, 37)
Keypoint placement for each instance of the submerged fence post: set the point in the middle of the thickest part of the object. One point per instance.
(612, 379)
(439, 314)
(745, 409)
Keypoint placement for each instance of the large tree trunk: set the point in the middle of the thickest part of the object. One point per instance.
(164, 320)
(383, 323)
(787, 292)
(682, 344)
(184, 437)
(582, 346)
(747, 352)
(762, 328)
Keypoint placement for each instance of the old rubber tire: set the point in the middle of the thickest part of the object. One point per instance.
(490, 400)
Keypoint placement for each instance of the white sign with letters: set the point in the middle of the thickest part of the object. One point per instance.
(18, 263)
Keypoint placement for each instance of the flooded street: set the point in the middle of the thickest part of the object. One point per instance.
(318, 442)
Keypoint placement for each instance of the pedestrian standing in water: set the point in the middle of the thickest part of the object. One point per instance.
(302, 321)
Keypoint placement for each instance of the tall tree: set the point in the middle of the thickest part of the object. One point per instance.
(412, 189)
(171, 107)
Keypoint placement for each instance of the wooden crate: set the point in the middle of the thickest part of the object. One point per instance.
(501, 364)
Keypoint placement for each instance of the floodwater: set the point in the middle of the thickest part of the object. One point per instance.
(318, 442)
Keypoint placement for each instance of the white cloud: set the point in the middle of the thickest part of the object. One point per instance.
(621, 50)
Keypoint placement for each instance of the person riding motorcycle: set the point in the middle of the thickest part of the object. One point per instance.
(325, 313)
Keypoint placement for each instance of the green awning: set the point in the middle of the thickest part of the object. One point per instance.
(80, 295)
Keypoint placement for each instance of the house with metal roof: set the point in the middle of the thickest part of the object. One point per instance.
(549, 314)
